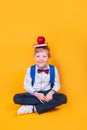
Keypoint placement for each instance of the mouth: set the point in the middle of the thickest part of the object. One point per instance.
(40, 62)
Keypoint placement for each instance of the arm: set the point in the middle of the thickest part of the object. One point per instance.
(55, 88)
(30, 89)
(27, 82)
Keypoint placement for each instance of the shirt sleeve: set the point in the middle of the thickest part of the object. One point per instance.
(56, 86)
(27, 82)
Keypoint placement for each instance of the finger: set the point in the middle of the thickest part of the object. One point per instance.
(46, 100)
(42, 101)
(43, 98)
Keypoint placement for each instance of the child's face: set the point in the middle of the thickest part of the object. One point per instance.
(41, 58)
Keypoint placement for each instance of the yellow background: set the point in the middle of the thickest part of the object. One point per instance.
(64, 24)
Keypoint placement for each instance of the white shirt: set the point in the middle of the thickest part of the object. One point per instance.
(42, 81)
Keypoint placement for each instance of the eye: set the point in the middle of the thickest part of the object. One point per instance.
(37, 56)
(44, 56)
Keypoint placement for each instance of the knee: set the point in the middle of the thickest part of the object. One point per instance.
(16, 98)
(61, 97)
(64, 98)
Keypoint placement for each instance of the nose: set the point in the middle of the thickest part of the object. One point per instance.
(40, 58)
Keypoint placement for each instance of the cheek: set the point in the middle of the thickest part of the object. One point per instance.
(36, 59)
(46, 59)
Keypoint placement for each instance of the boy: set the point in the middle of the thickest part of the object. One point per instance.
(41, 94)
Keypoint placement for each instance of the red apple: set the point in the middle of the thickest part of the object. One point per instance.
(40, 40)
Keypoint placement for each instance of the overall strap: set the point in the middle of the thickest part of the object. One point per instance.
(52, 75)
(32, 73)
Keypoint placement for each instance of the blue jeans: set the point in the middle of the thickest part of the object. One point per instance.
(28, 99)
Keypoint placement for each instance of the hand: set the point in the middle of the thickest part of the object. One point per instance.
(49, 96)
(40, 96)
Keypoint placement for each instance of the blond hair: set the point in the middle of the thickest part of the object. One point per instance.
(40, 49)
